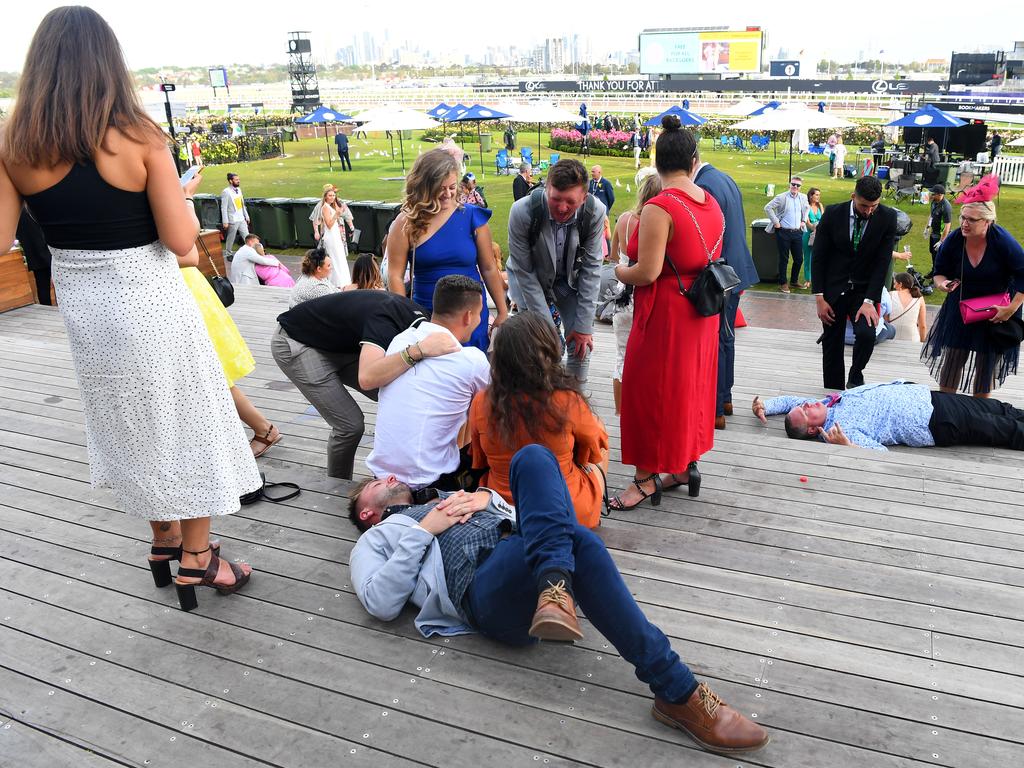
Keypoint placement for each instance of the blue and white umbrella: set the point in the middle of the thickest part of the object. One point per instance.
(478, 113)
(930, 116)
(686, 117)
(771, 106)
(439, 111)
(325, 115)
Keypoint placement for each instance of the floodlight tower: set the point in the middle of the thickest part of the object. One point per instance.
(302, 73)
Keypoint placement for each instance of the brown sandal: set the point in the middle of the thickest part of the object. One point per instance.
(267, 442)
(207, 578)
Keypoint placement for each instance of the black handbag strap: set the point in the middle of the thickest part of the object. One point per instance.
(295, 492)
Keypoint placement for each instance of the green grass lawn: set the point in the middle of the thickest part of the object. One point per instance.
(374, 177)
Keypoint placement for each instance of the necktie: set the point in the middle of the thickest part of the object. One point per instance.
(858, 230)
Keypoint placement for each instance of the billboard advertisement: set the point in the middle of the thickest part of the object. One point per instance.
(675, 53)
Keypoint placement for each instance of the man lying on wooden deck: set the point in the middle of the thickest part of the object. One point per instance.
(469, 561)
(898, 413)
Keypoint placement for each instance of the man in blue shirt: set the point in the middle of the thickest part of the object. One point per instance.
(898, 413)
(466, 567)
(341, 141)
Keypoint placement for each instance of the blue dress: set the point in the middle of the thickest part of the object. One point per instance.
(451, 251)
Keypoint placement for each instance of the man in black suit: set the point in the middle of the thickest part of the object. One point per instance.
(736, 254)
(523, 182)
(852, 250)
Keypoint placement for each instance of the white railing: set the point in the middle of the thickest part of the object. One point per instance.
(1010, 170)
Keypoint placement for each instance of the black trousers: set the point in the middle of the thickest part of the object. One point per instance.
(964, 420)
(345, 160)
(833, 345)
(790, 241)
(726, 354)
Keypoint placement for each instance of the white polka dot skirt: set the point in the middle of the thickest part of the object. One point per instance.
(161, 426)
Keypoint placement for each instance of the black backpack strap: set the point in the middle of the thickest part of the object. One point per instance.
(536, 216)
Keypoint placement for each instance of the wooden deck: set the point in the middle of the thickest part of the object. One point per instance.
(872, 616)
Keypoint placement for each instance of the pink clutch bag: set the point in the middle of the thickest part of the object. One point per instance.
(983, 307)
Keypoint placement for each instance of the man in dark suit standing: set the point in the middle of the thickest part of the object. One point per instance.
(522, 184)
(736, 254)
(341, 141)
(852, 250)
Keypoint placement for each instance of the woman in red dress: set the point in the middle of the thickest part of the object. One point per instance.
(670, 372)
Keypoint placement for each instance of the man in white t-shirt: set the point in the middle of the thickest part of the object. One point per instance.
(420, 414)
(243, 267)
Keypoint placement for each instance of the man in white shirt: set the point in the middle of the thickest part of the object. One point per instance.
(243, 267)
(233, 215)
(420, 414)
(788, 212)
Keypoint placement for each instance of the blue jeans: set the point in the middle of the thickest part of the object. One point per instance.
(503, 596)
(727, 354)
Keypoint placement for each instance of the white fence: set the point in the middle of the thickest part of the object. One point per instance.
(1010, 170)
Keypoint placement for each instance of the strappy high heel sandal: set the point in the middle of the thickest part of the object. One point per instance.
(187, 592)
(267, 442)
(655, 497)
(692, 481)
(161, 567)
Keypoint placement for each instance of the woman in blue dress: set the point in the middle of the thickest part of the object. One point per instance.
(440, 237)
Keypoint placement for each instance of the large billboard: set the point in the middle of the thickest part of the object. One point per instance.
(682, 53)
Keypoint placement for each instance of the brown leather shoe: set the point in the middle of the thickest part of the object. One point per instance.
(555, 618)
(719, 422)
(711, 723)
(727, 407)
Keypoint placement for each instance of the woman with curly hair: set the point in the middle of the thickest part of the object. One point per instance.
(439, 237)
(531, 399)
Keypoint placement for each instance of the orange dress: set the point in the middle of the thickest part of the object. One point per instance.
(581, 442)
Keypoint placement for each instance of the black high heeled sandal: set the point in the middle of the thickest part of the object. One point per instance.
(161, 568)
(655, 497)
(692, 481)
(187, 592)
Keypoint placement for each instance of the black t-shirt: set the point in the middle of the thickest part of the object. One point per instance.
(342, 321)
(942, 214)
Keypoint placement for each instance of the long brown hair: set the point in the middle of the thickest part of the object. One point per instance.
(75, 85)
(423, 188)
(526, 370)
(366, 273)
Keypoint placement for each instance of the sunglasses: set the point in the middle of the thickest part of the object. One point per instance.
(795, 184)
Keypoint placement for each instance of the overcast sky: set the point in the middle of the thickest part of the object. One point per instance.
(255, 31)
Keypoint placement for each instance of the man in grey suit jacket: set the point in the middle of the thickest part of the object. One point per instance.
(736, 254)
(555, 255)
(233, 214)
(788, 214)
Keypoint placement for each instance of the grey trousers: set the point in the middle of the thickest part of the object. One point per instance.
(322, 377)
(567, 300)
(234, 230)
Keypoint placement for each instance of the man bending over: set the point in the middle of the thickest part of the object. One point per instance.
(898, 413)
(466, 567)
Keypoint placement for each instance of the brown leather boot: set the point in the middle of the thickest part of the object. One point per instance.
(555, 617)
(727, 407)
(719, 422)
(711, 723)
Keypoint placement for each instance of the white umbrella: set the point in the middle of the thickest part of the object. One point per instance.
(1017, 142)
(396, 119)
(792, 118)
(743, 107)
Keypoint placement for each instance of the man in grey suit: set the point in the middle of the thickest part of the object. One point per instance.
(788, 214)
(555, 255)
(233, 214)
(736, 254)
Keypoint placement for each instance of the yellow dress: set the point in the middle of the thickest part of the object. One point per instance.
(233, 352)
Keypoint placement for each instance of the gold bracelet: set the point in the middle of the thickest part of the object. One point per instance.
(420, 350)
(407, 358)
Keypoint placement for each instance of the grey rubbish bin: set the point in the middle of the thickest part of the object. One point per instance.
(365, 221)
(302, 209)
(208, 210)
(383, 215)
(764, 251)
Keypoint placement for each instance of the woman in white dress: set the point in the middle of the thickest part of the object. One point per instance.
(329, 217)
(96, 174)
(839, 157)
(909, 315)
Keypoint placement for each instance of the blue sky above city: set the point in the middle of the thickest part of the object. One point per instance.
(255, 32)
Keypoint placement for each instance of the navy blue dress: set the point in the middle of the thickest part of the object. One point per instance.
(960, 356)
(451, 251)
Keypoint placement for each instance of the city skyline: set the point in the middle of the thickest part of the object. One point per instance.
(255, 33)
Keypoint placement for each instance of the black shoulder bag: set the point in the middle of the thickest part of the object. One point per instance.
(220, 284)
(710, 289)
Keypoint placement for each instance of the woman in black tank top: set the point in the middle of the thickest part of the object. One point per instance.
(161, 429)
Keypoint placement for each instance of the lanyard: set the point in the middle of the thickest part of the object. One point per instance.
(858, 229)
